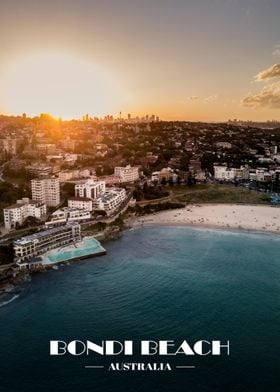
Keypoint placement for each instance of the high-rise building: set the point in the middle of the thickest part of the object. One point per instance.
(110, 200)
(46, 190)
(90, 189)
(127, 174)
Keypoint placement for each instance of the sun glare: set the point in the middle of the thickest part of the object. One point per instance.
(62, 85)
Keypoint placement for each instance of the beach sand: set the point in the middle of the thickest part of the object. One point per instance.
(224, 216)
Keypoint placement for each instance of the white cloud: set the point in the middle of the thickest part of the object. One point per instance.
(276, 52)
(269, 73)
(193, 98)
(268, 97)
(211, 98)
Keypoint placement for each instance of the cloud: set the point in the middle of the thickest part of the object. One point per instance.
(188, 99)
(269, 73)
(276, 51)
(211, 98)
(268, 97)
(193, 98)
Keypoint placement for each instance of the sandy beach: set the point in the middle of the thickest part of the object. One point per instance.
(224, 216)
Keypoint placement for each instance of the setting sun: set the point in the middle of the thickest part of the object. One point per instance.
(61, 85)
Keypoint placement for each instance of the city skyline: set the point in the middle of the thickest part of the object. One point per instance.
(185, 60)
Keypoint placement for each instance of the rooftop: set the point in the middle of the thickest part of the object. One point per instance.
(18, 205)
(41, 234)
(76, 198)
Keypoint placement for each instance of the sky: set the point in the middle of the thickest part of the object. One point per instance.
(207, 60)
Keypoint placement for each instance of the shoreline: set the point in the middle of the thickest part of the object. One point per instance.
(205, 228)
(234, 218)
(227, 217)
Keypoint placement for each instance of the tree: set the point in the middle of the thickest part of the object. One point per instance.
(170, 181)
(68, 189)
(190, 181)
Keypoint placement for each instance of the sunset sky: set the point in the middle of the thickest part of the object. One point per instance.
(205, 60)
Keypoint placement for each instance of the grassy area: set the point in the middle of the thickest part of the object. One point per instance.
(182, 189)
(216, 193)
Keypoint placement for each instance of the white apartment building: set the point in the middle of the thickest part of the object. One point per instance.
(70, 158)
(36, 244)
(261, 175)
(155, 176)
(67, 175)
(39, 170)
(68, 214)
(46, 190)
(110, 200)
(110, 180)
(81, 203)
(222, 172)
(17, 213)
(46, 148)
(223, 145)
(90, 189)
(127, 174)
(10, 145)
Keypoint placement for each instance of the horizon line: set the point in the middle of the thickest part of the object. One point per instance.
(137, 118)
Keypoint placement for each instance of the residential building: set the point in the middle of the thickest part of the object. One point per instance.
(110, 200)
(68, 143)
(10, 145)
(110, 180)
(166, 174)
(17, 213)
(222, 172)
(67, 175)
(70, 158)
(127, 174)
(261, 175)
(90, 189)
(68, 214)
(46, 190)
(81, 203)
(195, 165)
(87, 173)
(223, 145)
(155, 176)
(39, 170)
(46, 148)
(36, 244)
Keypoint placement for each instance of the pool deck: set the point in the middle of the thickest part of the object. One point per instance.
(85, 249)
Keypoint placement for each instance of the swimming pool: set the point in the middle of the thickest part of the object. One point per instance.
(86, 247)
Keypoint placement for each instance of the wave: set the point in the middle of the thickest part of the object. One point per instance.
(9, 301)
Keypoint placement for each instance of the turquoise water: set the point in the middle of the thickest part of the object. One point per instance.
(154, 283)
(91, 246)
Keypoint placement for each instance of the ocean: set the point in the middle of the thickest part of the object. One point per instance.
(155, 283)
